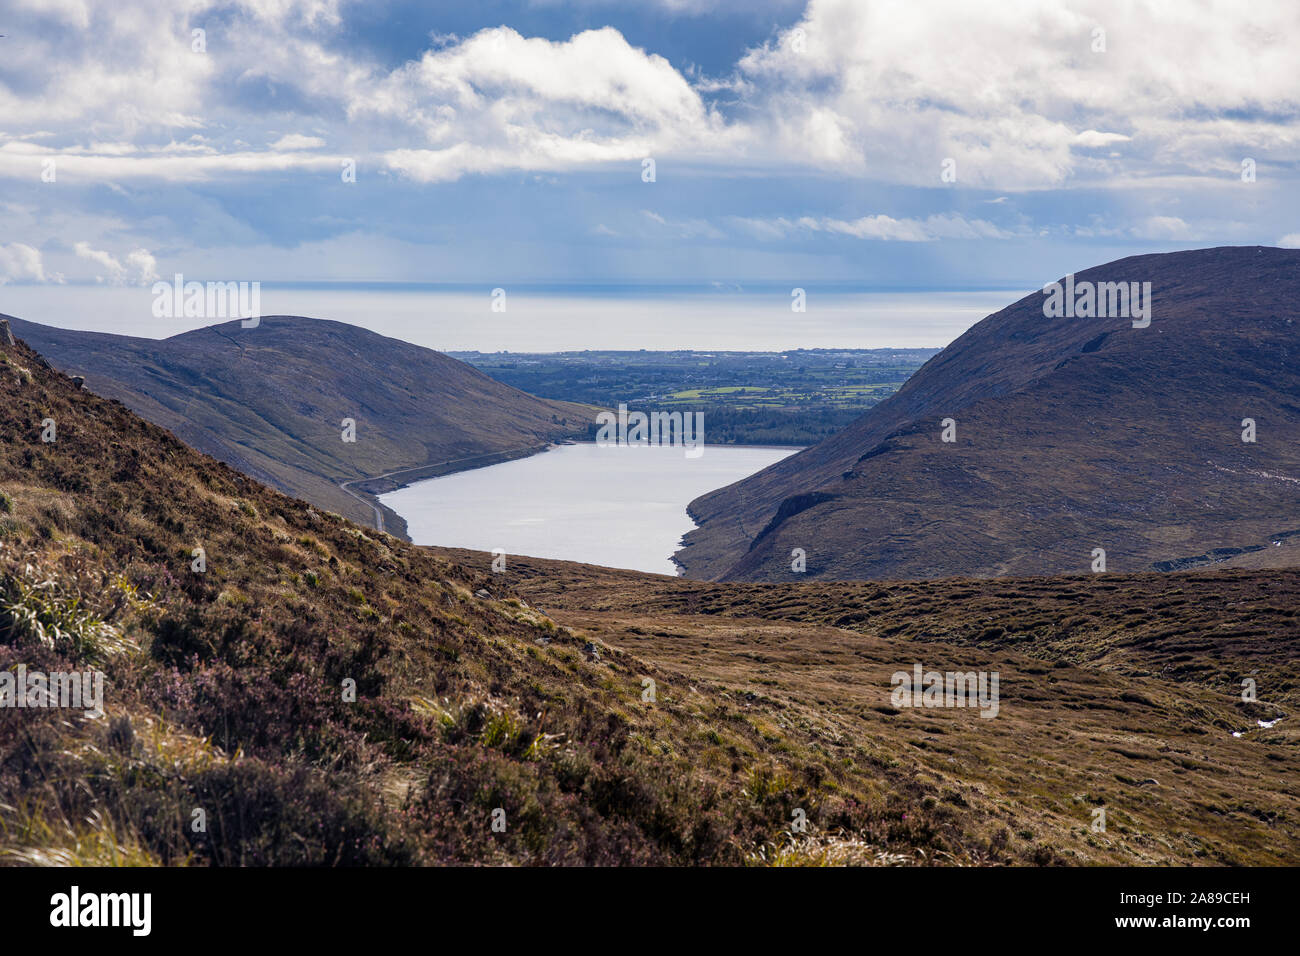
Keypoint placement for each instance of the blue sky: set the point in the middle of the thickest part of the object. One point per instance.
(502, 143)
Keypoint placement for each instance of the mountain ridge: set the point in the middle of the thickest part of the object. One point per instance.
(270, 401)
(1070, 402)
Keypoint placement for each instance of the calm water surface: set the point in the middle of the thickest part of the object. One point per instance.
(621, 507)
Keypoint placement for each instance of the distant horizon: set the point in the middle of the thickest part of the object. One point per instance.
(757, 319)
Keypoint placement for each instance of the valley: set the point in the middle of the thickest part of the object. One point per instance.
(624, 717)
(612, 717)
(445, 443)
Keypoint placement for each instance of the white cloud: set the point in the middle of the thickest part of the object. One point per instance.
(116, 271)
(686, 228)
(1012, 91)
(174, 163)
(880, 227)
(1164, 227)
(140, 267)
(297, 141)
(1290, 241)
(143, 263)
(889, 89)
(75, 13)
(1092, 139)
(19, 261)
(498, 100)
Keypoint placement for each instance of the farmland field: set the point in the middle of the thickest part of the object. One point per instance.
(755, 398)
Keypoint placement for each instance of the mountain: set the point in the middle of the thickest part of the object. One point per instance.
(319, 694)
(270, 401)
(1071, 434)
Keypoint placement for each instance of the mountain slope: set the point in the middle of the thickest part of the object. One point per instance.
(1120, 692)
(270, 401)
(226, 689)
(225, 692)
(1071, 434)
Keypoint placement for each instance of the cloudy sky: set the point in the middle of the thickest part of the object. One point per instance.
(887, 143)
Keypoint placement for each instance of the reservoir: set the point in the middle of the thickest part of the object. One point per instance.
(617, 506)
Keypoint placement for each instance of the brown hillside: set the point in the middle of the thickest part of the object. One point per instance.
(1072, 434)
(270, 402)
(1121, 692)
(223, 693)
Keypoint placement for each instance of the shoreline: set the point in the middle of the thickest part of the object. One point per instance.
(367, 490)
(371, 488)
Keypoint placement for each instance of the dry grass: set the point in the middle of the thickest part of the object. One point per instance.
(226, 695)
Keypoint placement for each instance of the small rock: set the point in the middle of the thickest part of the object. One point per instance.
(482, 594)
(592, 651)
(79, 381)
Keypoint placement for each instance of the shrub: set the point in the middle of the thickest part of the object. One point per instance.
(36, 610)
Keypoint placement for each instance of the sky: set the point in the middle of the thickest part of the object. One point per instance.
(765, 144)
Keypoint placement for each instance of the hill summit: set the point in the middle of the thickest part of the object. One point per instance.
(1046, 435)
(271, 401)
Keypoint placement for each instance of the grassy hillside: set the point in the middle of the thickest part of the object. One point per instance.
(1122, 693)
(225, 695)
(224, 688)
(270, 401)
(1071, 434)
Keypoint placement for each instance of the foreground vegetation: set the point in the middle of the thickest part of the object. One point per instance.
(632, 721)
(226, 688)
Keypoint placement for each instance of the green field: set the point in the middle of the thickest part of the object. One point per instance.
(781, 398)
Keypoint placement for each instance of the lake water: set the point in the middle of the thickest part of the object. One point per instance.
(617, 506)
